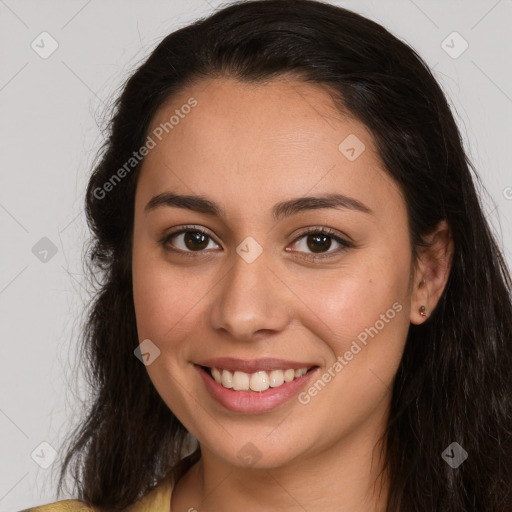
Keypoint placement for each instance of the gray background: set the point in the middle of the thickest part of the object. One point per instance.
(51, 115)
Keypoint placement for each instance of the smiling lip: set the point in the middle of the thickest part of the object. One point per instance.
(254, 365)
(253, 402)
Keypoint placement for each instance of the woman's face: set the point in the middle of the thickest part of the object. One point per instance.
(242, 286)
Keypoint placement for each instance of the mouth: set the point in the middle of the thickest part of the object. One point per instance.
(257, 381)
(254, 386)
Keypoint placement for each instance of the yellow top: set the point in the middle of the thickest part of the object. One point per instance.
(158, 500)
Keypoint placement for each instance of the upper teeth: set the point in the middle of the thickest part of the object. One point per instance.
(259, 381)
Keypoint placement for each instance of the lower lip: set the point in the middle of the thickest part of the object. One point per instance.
(254, 402)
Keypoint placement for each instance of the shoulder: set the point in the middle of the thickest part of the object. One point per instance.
(61, 506)
(158, 500)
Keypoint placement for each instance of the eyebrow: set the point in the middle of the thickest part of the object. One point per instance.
(280, 210)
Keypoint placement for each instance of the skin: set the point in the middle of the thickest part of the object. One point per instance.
(247, 147)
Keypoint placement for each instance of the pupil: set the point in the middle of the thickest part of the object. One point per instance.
(319, 242)
(198, 240)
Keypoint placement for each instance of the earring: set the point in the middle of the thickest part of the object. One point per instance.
(422, 312)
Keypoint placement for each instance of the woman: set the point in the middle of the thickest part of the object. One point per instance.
(295, 272)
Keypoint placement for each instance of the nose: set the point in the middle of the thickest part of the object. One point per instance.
(251, 301)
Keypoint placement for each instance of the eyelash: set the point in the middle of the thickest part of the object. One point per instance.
(344, 244)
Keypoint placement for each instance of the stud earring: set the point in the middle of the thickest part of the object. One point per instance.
(422, 312)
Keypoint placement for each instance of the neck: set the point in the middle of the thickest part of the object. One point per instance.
(348, 474)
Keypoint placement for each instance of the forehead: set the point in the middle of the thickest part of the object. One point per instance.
(285, 137)
(270, 111)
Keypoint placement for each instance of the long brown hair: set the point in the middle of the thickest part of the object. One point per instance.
(454, 382)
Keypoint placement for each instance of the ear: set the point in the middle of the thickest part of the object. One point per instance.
(431, 272)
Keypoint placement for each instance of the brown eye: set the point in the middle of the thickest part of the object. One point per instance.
(189, 240)
(318, 243)
(195, 240)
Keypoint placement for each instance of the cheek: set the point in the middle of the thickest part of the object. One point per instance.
(362, 317)
(163, 296)
(350, 301)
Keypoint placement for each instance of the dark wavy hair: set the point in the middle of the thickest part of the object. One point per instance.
(454, 382)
